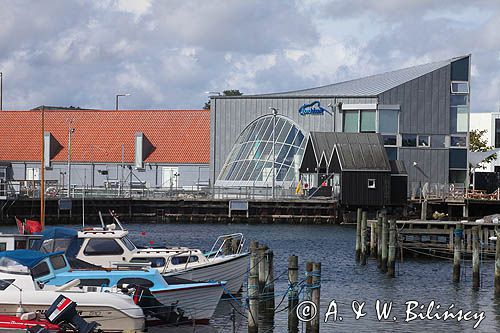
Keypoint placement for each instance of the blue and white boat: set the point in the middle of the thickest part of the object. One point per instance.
(198, 300)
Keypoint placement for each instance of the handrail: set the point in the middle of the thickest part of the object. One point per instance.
(226, 238)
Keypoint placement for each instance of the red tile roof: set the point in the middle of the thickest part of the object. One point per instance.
(179, 136)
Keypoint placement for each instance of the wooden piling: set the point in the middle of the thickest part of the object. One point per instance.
(423, 212)
(363, 238)
(373, 239)
(316, 294)
(293, 296)
(385, 249)
(475, 258)
(253, 289)
(497, 263)
(262, 267)
(308, 293)
(269, 288)
(457, 251)
(358, 234)
(391, 254)
(379, 240)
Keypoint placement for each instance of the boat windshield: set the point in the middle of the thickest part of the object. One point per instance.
(128, 243)
(8, 265)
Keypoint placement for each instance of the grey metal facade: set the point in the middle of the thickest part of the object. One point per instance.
(421, 94)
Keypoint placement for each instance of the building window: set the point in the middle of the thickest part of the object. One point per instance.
(497, 133)
(371, 183)
(390, 140)
(460, 87)
(438, 141)
(458, 141)
(351, 120)
(368, 121)
(388, 121)
(423, 141)
(409, 140)
(458, 100)
(460, 70)
(392, 153)
(462, 119)
(458, 159)
(457, 176)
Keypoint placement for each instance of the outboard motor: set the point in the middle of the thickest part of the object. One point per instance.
(63, 311)
(143, 297)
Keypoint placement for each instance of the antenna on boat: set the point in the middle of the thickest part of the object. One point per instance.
(102, 221)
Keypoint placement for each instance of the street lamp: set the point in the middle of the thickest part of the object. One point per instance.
(117, 96)
(275, 113)
(71, 130)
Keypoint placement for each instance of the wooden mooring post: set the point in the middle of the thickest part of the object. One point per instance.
(293, 296)
(262, 267)
(358, 234)
(308, 293)
(475, 258)
(457, 251)
(391, 254)
(316, 294)
(269, 286)
(363, 238)
(373, 240)
(253, 289)
(379, 240)
(385, 249)
(497, 262)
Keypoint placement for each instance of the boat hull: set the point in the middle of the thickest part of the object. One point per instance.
(230, 269)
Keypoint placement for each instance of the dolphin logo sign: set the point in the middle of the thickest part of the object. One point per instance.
(312, 108)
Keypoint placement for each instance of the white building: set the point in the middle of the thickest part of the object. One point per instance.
(489, 121)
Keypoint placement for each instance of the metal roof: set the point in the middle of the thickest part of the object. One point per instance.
(367, 86)
(356, 151)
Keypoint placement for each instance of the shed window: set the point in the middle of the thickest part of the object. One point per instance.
(368, 121)
(101, 247)
(409, 140)
(351, 121)
(371, 183)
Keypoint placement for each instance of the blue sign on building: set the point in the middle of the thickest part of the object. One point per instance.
(312, 108)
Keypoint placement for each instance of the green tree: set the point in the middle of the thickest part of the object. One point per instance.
(478, 143)
(230, 92)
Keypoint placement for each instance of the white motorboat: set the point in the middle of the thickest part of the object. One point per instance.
(20, 293)
(111, 245)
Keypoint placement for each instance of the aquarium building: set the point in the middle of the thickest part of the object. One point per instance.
(421, 112)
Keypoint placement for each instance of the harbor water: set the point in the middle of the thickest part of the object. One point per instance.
(421, 280)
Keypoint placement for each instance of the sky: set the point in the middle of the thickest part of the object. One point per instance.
(168, 53)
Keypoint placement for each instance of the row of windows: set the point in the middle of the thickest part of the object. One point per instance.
(425, 141)
(457, 157)
(365, 121)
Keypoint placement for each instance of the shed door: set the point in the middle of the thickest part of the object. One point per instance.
(168, 178)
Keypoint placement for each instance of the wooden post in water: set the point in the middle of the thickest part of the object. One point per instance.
(308, 291)
(391, 254)
(379, 240)
(457, 251)
(423, 212)
(228, 246)
(235, 244)
(253, 289)
(475, 258)
(373, 239)
(268, 291)
(497, 263)
(358, 234)
(385, 249)
(293, 296)
(316, 294)
(363, 238)
(262, 267)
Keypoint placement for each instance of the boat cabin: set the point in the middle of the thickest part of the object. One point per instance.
(10, 242)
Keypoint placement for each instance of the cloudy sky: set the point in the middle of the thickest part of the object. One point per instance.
(167, 53)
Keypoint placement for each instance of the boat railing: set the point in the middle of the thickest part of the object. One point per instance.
(131, 265)
(224, 242)
(169, 260)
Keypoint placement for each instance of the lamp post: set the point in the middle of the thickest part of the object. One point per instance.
(117, 96)
(1, 91)
(275, 113)
(71, 130)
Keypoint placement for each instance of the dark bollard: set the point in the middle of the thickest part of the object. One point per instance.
(358, 234)
(457, 251)
(475, 258)
(391, 254)
(385, 249)
(293, 296)
(253, 289)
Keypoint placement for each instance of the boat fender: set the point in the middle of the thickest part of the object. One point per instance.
(29, 316)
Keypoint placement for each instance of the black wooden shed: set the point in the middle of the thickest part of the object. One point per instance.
(353, 168)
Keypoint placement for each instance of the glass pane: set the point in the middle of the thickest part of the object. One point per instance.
(438, 141)
(458, 141)
(351, 121)
(257, 171)
(247, 136)
(282, 153)
(280, 175)
(299, 139)
(284, 132)
(458, 158)
(239, 174)
(462, 119)
(457, 100)
(457, 176)
(388, 121)
(249, 170)
(460, 70)
(460, 87)
(367, 121)
(260, 150)
(423, 141)
(392, 153)
(268, 134)
(389, 140)
(409, 140)
(290, 155)
(291, 135)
